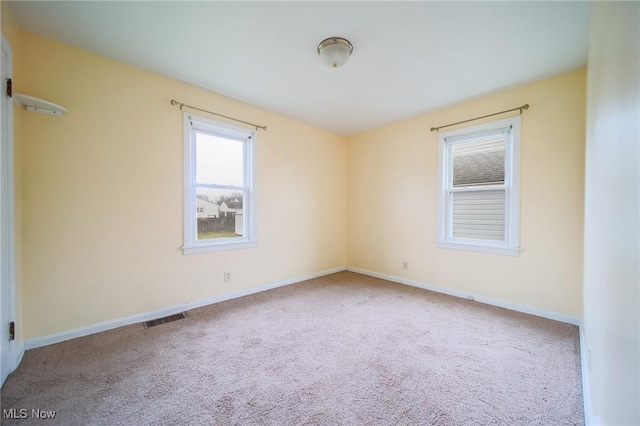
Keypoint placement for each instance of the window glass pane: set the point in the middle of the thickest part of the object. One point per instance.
(479, 163)
(220, 213)
(218, 160)
(478, 215)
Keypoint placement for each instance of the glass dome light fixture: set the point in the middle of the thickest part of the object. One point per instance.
(335, 51)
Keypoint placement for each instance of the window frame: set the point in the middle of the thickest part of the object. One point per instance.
(193, 124)
(511, 243)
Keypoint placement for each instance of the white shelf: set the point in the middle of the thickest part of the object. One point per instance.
(38, 105)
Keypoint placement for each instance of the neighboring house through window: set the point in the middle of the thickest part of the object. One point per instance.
(219, 172)
(479, 188)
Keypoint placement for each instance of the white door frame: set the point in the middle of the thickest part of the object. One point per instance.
(7, 229)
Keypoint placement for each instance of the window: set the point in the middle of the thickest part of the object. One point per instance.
(219, 196)
(479, 188)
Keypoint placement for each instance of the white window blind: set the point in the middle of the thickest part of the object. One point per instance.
(479, 163)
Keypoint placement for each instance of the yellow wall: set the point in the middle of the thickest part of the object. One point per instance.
(12, 35)
(102, 194)
(392, 201)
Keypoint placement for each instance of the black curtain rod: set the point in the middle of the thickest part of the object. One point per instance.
(525, 106)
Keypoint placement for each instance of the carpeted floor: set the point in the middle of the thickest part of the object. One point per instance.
(345, 349)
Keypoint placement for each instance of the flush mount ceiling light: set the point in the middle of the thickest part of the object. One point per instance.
(335, 51)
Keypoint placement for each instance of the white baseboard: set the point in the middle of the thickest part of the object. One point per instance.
(589, 419)
(134, 319)
(18, 353)
(464, 295)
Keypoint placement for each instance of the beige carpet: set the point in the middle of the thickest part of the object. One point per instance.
(345, 349)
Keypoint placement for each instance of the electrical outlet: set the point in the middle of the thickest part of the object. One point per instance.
(405, 266)
(227, 276)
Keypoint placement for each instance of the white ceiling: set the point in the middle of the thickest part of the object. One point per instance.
(408, 58)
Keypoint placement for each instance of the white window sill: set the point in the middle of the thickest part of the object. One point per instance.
(510, 251)
(221, 246)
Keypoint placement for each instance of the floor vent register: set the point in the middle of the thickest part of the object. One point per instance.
(164, 320)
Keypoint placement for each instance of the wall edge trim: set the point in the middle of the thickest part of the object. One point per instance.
(589, 420)
(557, 316)
(17, 356)
(38, 342)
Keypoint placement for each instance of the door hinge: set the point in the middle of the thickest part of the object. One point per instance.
(9, 88)
(12, 330)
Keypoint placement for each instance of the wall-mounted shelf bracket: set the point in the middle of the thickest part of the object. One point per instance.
(37, 105)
